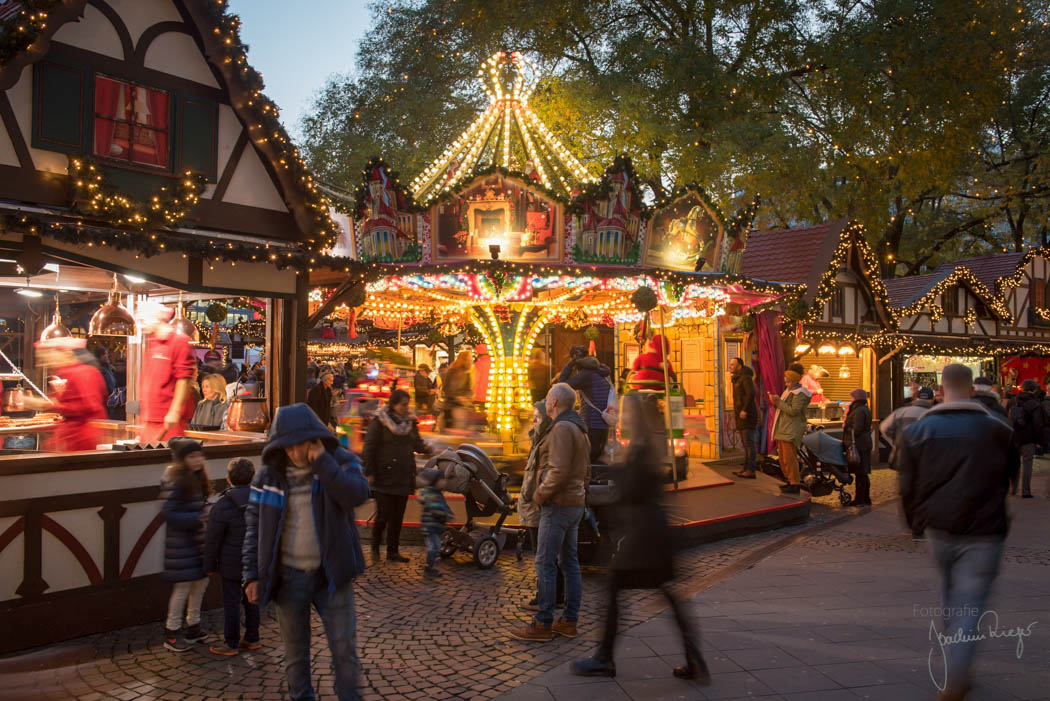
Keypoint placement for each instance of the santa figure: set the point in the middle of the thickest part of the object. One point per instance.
(811, 381)
(648, 368)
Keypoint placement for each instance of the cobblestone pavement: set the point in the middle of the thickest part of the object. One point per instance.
(433, 639)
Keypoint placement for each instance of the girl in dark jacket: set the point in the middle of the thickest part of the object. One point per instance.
(856, 431)
(391, 443)
(644, 557)
(185, 491)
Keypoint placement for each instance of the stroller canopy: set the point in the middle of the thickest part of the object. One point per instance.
(466, 469)
(825, 448)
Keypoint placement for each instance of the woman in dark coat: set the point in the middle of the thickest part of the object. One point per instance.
(185, 492)
(644, 556)
(856, 430)
(391, 442)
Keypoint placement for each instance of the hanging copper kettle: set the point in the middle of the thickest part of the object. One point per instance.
(14, 400)
(248, 414)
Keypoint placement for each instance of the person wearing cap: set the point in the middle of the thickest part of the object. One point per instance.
(893, 426)
(169, 372)
(789, 424)
(436, 513)
(79, 395)
(856, 433)
(185, 490)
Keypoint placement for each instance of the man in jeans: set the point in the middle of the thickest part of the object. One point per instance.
(955, 470)
(560, 495)
(745, 413)
(301, 548)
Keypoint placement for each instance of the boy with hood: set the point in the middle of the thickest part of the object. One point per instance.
(302, 546)
(436, 513)
(789, 424)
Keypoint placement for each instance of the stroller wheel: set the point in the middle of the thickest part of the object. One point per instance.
(845, 498)
(448, 545)
(486, 552)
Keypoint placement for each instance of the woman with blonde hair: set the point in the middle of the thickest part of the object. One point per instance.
(210, 414)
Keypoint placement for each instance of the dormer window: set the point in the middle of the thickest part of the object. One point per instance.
(131, 122)
(950, 301)
(838, 303)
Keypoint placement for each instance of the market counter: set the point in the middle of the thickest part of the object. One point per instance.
(82, 538)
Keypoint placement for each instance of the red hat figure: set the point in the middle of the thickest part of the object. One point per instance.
(648, 368)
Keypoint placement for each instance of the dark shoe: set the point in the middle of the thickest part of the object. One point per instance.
(745, 475)
(395, 557)
(534, 633)
(431, 571)
(194, 634)
(593, 667)
(250, 645)
(174, 641)
(1026, 496)
(564, 628)
(790, 488)
(694, 668)
(224, 649)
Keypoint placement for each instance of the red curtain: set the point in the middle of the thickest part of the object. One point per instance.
(770, 366)
(107, 101)
(151, 145)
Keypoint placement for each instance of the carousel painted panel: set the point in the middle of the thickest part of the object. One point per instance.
(689, 234)
(498, 216)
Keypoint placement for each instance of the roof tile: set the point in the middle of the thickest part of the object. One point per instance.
(798, 256)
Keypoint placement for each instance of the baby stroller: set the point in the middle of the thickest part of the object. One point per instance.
(470, 472)
(823, 467)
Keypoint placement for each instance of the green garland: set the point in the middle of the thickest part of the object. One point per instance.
(93, 194)
(21, 30)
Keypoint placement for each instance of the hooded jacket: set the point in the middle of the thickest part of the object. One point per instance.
(1032, 429)
(389, 452)
(183, 510)
(789, 423)
(339, 486)
(566, 462)
(591, 379)
(224, 540)
(744, 399)
(955, 470)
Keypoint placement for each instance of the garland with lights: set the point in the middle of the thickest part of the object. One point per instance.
(22, 29)
(853, 234)
(93, 194)
(960, 274)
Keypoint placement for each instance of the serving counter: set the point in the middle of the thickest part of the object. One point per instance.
(82, 537)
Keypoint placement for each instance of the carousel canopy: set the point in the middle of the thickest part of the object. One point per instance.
(507, 134)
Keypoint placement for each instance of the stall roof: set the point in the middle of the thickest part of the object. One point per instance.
(797, 256)
(988, 269)
(903, 291)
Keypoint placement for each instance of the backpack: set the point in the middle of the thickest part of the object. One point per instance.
(611, 415)
(1018, 418)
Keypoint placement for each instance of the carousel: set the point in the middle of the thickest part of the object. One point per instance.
(507, 234)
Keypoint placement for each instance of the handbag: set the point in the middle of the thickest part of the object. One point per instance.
(852, 454)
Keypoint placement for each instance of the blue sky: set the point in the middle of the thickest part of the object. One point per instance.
(297, 45)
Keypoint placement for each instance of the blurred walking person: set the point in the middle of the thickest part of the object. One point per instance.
(955, 471)
(644, 556)
(458, 392)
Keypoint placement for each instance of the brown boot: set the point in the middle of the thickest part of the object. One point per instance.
(563, 627)
(534, 633)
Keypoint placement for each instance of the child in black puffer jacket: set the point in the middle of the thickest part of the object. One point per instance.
(222, 554)
(185, 492)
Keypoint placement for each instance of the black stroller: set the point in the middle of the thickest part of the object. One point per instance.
(470, 472)
(823, 466)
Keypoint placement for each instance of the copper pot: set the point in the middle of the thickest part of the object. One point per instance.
(14, 400)
(248, 414)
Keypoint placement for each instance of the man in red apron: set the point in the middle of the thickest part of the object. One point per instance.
(79, 394)
(169, 371)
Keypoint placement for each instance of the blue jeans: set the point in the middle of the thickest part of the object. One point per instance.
(559, 527)
(968, 566)
(433, 542)
(747, 437)
(232, 599)
(297, 591)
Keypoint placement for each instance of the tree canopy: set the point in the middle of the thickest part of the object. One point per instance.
(926, 120)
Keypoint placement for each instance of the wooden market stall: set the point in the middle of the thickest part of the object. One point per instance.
(140, 160)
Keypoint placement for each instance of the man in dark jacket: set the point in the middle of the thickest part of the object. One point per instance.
(589, 377)
(223, 546)
(1029, 423)
(954, 474)
(319, 398)
(302, 547)
(745, 413)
